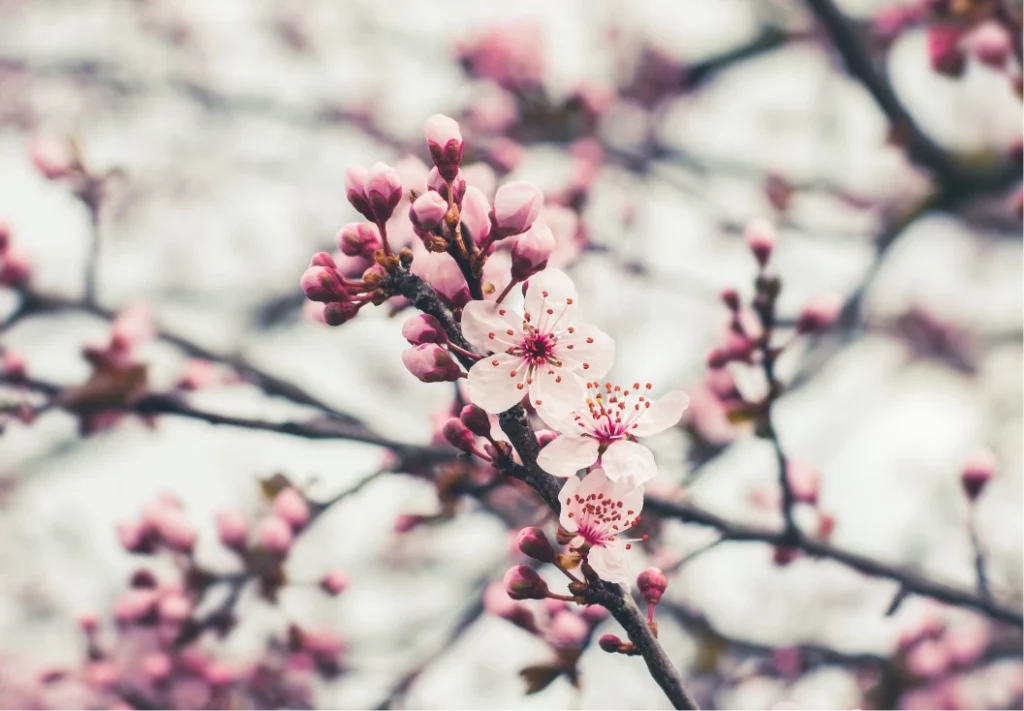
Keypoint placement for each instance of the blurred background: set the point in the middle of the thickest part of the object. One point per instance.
(661, 128)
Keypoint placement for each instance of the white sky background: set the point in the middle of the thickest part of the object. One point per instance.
(221, 211)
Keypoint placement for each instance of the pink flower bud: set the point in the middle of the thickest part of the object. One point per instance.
(424, 328)
(804, 480)
(428, 211)
(820, 313)
(132, 536)
(731, 298)
(533, 543)
(334, 583)
(475, 215)
(976, 473)
(359, 239)
(88, 622)
(990, 43)
(175, 608)
(545, 437)
(478, 422)
(431, 364)
(459, 436)
(498, 603)
(652, 584)
(609, 643)
(220, 673)
(449, 283)
(15, 267)
(444, 140)
(523, 583)
(788, 660)
(355, 190)
(531, 252)
(337, 313)
(134, 605)
(783, 556)
(761, 237)
(274, 535)
(516, 206)
(383, 191)
(595, 613)
(291, 507)
(944, 49)
(437, 183)
(101, 674)
(232, 528)
(322, 284)
(175, 530)
(156, 666)
(568, 630)
(51, 158)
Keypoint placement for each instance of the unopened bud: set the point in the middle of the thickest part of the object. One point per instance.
(475, 215)
(977, 472)
(437, 183)
(359, 239)
(424, 328)
(609, 643)
(338, 312)
(944, 49)
(292, 507)
(523, 583)
(820, 313)
(761, 237)
(731, 298)
(274, 535)
(533, 543)
(652, 584)
(428, 211)
(334, 583)
(321, 283)
(444, 141)
(545, 437)
(516, 206)
(232, 528)
(459, 436)
(531, 252)
(478, 422)
(431, 363)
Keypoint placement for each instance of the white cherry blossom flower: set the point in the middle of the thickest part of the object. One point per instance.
(605, 424)
(599, 510)
(544, 352)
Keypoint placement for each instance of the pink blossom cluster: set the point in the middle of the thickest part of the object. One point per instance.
(161, 651)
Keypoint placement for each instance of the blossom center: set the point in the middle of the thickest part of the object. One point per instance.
(537, 347)
(600, 518)
(611, 411)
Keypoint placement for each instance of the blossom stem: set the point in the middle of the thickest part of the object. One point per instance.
(506, 291)
(462, 351)
(384, 238)
(564, 598)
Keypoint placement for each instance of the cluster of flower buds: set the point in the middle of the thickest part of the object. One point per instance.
(323, 282)
(15, 268)
(551, 620)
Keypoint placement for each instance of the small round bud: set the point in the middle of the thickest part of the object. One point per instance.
(977, 472)
(321, 283)
(476, 420)
(424, 328)
(609, 643)
(760, 237)
(783, 556)
(804, 481)
(338, 312)
(232, 528)
(51, 158)
(359, 239)
(533, 543)
(731, 298)
(428, 211)
(175, 608)
(523, 583)
(531, 252)
(334, 583)
(652, 584)
(383, 190)
(355, 190)
(156, 666)
(431, 363)
(820, 313)
(568, 629)
(444, 141)
(291, 506)
(944, 49)
(459, 436)
(990, 43)
(274, 535)
(132, 536)
(516, 206)
(545, 437)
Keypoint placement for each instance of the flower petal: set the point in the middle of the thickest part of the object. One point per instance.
(550, 289)
(662, 414)
(493, 387)
(567, 455)
(556, 392)
(587, 350)
(628, 463)
(482, 319)
(565, 497)
(609, 561)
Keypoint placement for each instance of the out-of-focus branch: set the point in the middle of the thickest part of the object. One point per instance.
(912, 582)
(961, 177)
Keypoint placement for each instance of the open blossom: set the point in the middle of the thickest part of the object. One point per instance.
(598, 510)
(542, 352)
(605, 423)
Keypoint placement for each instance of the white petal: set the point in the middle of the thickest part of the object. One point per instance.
(560, 294)
(662, 414)
(567, 455)
(556, 392)
(565, 497)
(629, 463)
(493, 387)
(610, 562)
(481, 319)
(588, 350)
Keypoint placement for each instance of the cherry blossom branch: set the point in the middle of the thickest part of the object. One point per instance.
(920, 147)
(908, 580)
